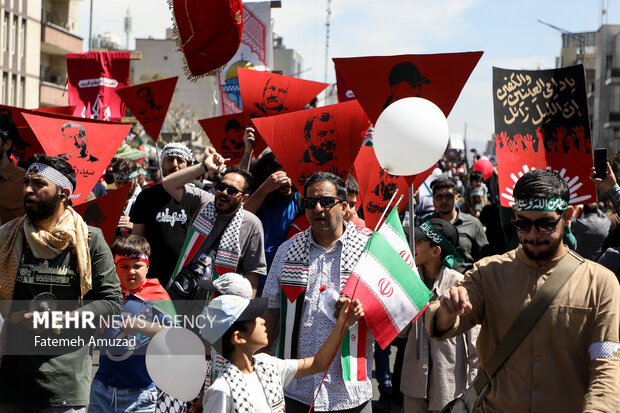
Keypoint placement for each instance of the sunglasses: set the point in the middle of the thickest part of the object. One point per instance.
(543, 226)
(229, 189)
(444, 197)
(325, 202)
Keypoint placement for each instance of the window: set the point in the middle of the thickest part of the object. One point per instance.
(12, 90)
(22, 39)
(5, 30)
(22, 92)
(14, 36)
(2, 87)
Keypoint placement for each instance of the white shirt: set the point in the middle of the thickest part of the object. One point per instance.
(218, 398)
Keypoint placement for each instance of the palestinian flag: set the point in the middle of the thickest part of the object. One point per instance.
(391, 291)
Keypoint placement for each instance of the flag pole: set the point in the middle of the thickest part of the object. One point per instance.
(416, 333)
(386, 209)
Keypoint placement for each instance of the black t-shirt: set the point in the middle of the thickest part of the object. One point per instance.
(166, 225)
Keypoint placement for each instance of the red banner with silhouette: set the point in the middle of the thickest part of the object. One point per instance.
(268, 94)
(322, 139)
(380, 80)
(541, 121)
(149, 103)
(104, 212)
(377, 186)
(93, 78)
(226, 136)
(87, 145)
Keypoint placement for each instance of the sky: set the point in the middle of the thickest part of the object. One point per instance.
(507, 31)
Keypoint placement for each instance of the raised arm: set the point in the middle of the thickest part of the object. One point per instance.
(175, 182)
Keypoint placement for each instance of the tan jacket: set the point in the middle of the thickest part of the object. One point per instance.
(570, 361)
(443, 369)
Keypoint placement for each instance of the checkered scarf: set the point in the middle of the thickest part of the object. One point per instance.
(269, 378)
(228, 251)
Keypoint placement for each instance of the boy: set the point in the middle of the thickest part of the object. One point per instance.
(435, 372)
(122, 383)
(253, 382)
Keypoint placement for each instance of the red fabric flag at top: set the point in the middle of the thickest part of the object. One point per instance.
(322, 139)
(344, 91)
(208, 32)
(104, 212)
(149, 103)
(87, 145)
(267, 94)
(226, 136)
(377, 186)
(380, 80)
(93, 77)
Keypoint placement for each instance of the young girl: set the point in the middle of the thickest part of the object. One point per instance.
(253, 382)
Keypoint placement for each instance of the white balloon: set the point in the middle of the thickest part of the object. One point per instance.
(410, 136)
(175, 360)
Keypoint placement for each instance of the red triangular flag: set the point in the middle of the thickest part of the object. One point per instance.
(104, 212)
(377, 186)
(380, 80)
(322, 139)
(59, 110)
(226, 136)
(292, 292)
(267, 94)
(149, 103)
(86, 144)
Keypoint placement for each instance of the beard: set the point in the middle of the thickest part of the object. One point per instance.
(542, 255)
(43, 208)
(228, 204)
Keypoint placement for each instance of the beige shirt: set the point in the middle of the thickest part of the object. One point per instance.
(12, 190)
(570, 360)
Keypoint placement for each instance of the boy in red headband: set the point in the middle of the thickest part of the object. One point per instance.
(122, 379)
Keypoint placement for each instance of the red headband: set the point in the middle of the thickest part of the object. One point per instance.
(143, 257)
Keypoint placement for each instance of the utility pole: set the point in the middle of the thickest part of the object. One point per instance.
(90, 27)
(329, 12)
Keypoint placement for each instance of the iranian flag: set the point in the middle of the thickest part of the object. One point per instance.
(387, 284)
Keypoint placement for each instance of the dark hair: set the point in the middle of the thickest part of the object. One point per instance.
(124, 166)
(263, 168)
(131, 246)
(441, 183)
(351, 185)
(59, 164)
(590, 208)
(73, 125)
(8, 129)
(323, 117)
(227, 347)
(245, 174)
(541, 183)
(319, 176)
(476, 175)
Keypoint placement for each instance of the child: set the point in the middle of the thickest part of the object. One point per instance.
(122, 383)
(454, 362)
(253, 382)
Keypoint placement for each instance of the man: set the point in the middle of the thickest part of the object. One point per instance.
(125, 172)
(50, 252)
(320, 136)
(405, 81)
(76, 133)
(472, 239)
(160, 218)
(274, 96)
(311, 269)
(233, 237)
(590, 230)
(570, 361)
(11, 176)
(350, 213)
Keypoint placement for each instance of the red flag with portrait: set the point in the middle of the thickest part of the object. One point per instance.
(321, 139)
(226, 135)
(268, 94)
(378, 81)
(104, 212)
(541, 121)
(377, 186)
(86, 144)
(149, 103)
(93, 78)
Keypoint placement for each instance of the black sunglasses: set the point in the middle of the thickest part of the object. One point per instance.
(229, 189)
(544, 226)
(325, 202)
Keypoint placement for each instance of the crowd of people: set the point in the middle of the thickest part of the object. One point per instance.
(266, 265)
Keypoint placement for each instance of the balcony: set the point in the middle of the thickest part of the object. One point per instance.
(613, 121)
(56, 40)
(613, 76)
(51, 94)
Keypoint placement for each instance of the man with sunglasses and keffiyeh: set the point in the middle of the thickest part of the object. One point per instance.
(303, 287)
(50, 260)
(223, 237)
(570, 359)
